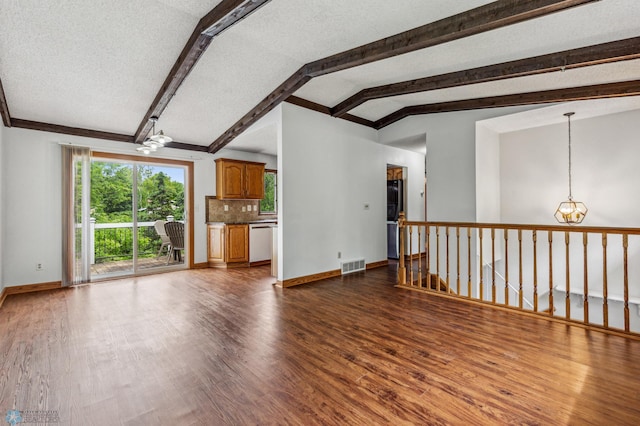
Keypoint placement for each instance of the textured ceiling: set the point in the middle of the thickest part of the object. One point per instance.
(587, 25)
(554, 114)
(99, 64)
(245, 64)
(90, 64)
(606, 73)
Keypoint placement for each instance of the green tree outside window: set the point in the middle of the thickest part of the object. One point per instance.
(269, 203)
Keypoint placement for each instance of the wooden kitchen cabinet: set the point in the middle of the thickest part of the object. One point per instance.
(237, 244)
(242, 180)
(228, 245)
(254, 175)
(394, 173)
(215, 245)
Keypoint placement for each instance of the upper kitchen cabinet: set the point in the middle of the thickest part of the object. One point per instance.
(242, 180)
(254, 178)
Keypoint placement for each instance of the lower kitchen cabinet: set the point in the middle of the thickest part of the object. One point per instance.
(237, 244)
(215, 244)
(228, 245)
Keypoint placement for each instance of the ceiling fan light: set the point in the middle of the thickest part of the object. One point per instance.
(155, 141)
(152, 144)
(161, 138)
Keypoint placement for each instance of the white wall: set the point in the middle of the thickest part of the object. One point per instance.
(32, 209)
(451, 162)
(606, 175)
(2, 183)
(487, 175)
(328, 170)
(31, 203)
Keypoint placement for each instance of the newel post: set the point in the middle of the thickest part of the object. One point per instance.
(402, 272)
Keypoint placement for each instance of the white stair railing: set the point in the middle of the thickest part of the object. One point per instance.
(511, 287)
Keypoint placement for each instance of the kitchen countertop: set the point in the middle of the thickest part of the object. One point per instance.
(274, 221)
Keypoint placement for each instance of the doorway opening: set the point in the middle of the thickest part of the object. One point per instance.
(396, 203)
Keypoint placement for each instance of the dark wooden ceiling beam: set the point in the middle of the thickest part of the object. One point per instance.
(66, 130)
(620, 50)
(223, 16)
(304, 103)
(186, 146)
(282, 92)
(4, 108)
(95, 134)
(598, 91)
(494, 15)
(475, 21)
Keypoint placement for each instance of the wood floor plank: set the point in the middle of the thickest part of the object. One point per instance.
(218, 347)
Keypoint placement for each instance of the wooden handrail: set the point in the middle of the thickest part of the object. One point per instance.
(525, 227)
(442, 267)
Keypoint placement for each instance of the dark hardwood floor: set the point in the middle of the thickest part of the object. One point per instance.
(215, 347)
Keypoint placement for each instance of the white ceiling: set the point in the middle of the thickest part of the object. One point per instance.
(554, 114)
(586, 25)
(90, 64)
(607, 73)
(98, 65)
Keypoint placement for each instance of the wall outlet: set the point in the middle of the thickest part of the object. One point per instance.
(226, 207)
(339, 255)
(244, 209)
(39, 267)
(248, 207)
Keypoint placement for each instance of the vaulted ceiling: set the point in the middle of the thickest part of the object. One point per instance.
(209, 69)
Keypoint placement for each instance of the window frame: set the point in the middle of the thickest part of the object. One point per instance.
(275, 194)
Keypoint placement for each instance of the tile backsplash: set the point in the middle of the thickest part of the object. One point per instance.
(216, 213)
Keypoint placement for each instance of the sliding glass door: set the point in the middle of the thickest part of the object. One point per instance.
(130, 203)
(160, 195)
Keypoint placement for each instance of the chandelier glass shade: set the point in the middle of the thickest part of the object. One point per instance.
(157, 140)
(570, 212)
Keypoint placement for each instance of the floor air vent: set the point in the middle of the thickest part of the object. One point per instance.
(352, 266)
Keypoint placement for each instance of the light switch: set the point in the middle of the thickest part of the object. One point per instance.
(226, 207)
(248, 207)
(244, 209)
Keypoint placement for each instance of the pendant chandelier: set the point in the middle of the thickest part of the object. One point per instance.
(157, 140)
(570, 212)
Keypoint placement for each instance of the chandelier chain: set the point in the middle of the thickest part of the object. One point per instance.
(569, 130)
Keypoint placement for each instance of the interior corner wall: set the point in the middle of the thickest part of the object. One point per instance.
(31, 179)
(330, 170)
(3, 179)
(487, 175)
(605, 172)
(451, 162)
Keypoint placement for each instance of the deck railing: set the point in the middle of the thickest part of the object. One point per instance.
(114, 241)
(585, 275)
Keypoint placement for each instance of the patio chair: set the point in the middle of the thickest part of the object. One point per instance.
(175, 231)
(159, 226)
